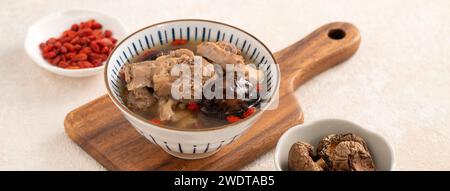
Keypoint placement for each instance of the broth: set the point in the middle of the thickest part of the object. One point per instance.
(187, 117)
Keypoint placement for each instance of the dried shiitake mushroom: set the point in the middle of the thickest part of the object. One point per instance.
(351, 156)
(345, 152)
(301, 158)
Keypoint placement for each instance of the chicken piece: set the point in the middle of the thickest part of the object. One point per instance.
(140, 99)
(208, 71)
(229, 47)
(181, 114)
(179, 56)
(162, 81)
(138, 75)
(162, 84)
(156, 73)
(221, 53)
(200, 72)
(165, 108)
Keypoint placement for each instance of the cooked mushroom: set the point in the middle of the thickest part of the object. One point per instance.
(225, 107)
(353, 151)
(301, 158)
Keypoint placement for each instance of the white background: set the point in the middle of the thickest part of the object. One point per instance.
(397, 84)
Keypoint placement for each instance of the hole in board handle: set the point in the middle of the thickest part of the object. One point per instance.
(336, 34)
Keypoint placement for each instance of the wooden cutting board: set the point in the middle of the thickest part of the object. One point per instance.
(99, 128)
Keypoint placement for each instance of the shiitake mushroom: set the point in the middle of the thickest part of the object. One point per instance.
(351, 156)
(336, 152)
(223, 107)
(345, 152)
(302, 158)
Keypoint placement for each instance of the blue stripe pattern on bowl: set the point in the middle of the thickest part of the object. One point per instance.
(245, 48)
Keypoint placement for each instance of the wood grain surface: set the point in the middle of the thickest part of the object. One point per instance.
(99, 128)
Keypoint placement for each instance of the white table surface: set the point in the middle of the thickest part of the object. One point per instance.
(397, 84)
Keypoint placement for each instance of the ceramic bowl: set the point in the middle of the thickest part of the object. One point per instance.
(53, 25)
(182, 143)
(312, 133)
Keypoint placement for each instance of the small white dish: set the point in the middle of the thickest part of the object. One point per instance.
(53, 25)
(312, 133)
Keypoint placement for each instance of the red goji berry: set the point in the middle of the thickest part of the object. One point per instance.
(56, 60)
(233, 118)
(69, 47)
(85, 64)
(92, 37)
(42, 46)
(70, 55)
(72, 67)
(103, 57)
(69, 34)
(77, 47)
(51, 41)
(179, 42)
(107, 42)
(95, 56)
(113, 40)
(48, 48)
(193, 106)
(49, 54)
(249, 112)
(75, 27)
(155, 121)
(94, 46)
(96, 62)
(85, 32)
(96, 26)
(63, 64)
(83, 45)
(108, 33)
(80, 57)
(105, 50)
(75, 40)
(63, 50)
(85, 40)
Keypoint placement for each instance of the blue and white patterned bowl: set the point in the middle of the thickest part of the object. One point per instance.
(195, 143)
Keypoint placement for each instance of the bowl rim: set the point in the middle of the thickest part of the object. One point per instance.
(141, 119)
(278, 146)
(55, 69)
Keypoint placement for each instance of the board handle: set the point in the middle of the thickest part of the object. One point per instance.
(327, 46)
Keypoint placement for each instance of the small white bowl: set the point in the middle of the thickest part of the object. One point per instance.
(53, 25)
(312, 133)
